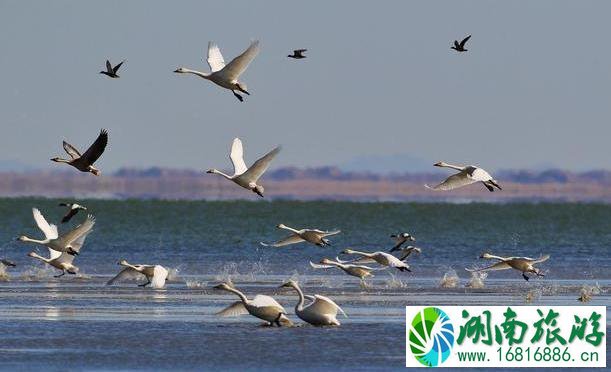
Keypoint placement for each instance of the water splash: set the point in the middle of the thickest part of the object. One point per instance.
(449, 279)
(4, 275)
(588, 291)
(173, 275)
(195, 284)
(37, 273)
(533, 295)
(394, 283)
(477, 280)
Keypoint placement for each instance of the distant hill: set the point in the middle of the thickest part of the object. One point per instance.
(306, 184)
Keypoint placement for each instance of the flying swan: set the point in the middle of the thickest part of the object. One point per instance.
(465, 176)
(262, 307)
(382, 258)
(321, 311)
(156, 275)
(313, 236)
(523, 264)
(112, 71)
(59, 260)
(70, 242)
(243, 176)
(360, 271)
(84, 162)
(226, 76)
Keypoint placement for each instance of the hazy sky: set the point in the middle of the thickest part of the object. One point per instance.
(380, 80)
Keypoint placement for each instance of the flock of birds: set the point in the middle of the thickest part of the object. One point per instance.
(316, 309)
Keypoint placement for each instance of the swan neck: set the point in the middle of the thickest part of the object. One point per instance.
(457, 167)
(40, 257)
(289, 229)
(29, 240)
(216, 171)
(299, 305)
(362, 253)
(240, 294)
(195, 72)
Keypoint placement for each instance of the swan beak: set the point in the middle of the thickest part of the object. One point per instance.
(177, 71)
(208, 171)
(218, 286)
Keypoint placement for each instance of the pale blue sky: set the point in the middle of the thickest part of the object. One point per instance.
(534, 89)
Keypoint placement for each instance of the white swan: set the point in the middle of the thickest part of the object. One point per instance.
(523, 264)
(262, 307)
(400, 239)
(156, 275)
(466, 176)
(70, 242)
(322, 311)
(382, 258)
(59, 260)
(244, 176)
(226, 76)
(313, 236)
(360, 271)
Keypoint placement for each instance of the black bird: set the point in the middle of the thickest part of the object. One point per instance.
(460, 47)
(298, 54)
(400, 239)
(72, 211)
(7, 263)
(84, 162)
(111, 71)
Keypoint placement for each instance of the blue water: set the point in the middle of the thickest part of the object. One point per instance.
(77, 322)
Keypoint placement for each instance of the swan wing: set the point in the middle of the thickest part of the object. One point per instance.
(238, 65)
(260, 166)
(495, 267)
(215, 58)
(235, 309)
(540, 259)
(320, 266)
(49, 230)
(160, 274)
(266, 301)
(326, 233)
(453, 182)
(479, 174)
(63, 257)
(53, 254)
(286, 241)
(362, 260)
(237, 157)
(324, 305)
(96, 149)
(76, 237)
(71, 150)
(126, 274)
(108, 66)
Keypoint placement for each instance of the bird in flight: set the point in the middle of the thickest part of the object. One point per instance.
(84, 162)
(111, 71)
(245, 177)
(460, 47)
(522, 264)
(73, 209)
(226, 76)
(465, 176)
(298, 54)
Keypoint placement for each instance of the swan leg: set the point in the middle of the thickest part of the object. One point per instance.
(72, 252)
(490, 188)
(145, 284)
(239, 97)
(525, 276)
(62, 274)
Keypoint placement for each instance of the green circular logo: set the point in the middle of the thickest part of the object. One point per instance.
(431, 336)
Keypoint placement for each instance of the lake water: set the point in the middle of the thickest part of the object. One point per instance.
(77, 322)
